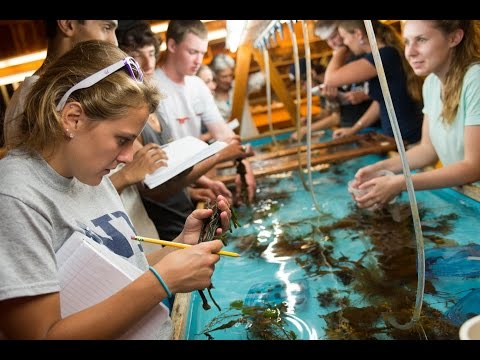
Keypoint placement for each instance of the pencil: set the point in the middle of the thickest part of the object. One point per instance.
(178, 245)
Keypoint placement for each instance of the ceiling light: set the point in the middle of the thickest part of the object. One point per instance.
(17, 60)
(11, 79)
(235, 34)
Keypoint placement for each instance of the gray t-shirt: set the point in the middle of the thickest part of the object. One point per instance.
(40, 210)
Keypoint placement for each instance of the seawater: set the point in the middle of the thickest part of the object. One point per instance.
(333, 274)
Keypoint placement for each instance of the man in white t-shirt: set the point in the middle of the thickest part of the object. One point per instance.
(188, 101)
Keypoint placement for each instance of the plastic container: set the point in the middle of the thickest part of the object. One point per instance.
(470, 330)
(360, 192)
(354, 190)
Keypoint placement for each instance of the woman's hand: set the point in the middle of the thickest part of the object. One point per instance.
(145, 161)
(194, 222)
(201, 194)
(355, 97)
(190, 269)
(295, 137)
(219, 188)
(367, 173)
(215, 186)
(330, 92)
(346, 131)
(381, 190)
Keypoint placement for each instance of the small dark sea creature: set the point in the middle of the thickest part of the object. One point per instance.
(209, 233)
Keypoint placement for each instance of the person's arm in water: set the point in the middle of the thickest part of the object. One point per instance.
(419, 156)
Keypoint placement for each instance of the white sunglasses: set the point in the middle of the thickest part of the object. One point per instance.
(133, 69)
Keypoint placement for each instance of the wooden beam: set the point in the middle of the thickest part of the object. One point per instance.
(294, 150)
(278, 85)
(6, 97)
(367, 144)
(20, 68)
(242, 67)
(180, 314)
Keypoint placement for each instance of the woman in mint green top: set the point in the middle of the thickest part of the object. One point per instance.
(448, 53)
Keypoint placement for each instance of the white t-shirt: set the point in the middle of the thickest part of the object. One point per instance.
(247, 127)
(185, 107)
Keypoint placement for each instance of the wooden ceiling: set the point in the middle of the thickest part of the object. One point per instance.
(21, 37)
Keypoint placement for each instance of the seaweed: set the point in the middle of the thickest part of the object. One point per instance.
(261, 323)
(383, 277)
(209, 233)
(250, 245)
(388, 284)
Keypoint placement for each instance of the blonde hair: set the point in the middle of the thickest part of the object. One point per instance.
(466, 53)
(203, 68)
(390, 37)
(110, 98)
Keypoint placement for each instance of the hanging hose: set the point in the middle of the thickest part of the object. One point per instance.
(408, 181)
(298, 104)
(269, 94)
(308, 71)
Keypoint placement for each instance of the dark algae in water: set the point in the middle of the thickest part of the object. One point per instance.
(261, 323)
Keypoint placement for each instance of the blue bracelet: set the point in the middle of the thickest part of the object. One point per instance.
(159, 278)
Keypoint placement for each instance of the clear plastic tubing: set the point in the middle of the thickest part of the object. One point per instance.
(269, 93)
(308, 71)
(408, 180)
(296, 61)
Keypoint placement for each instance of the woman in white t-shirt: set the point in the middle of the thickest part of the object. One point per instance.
(223, 67)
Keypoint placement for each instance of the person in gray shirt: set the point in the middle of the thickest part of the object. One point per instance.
(80, 121)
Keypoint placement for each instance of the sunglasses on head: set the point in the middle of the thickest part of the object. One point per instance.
(130, 64)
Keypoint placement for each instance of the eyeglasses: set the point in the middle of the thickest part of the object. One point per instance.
(133, 69)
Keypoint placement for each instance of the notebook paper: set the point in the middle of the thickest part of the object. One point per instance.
(89, 273)
(182, 155)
